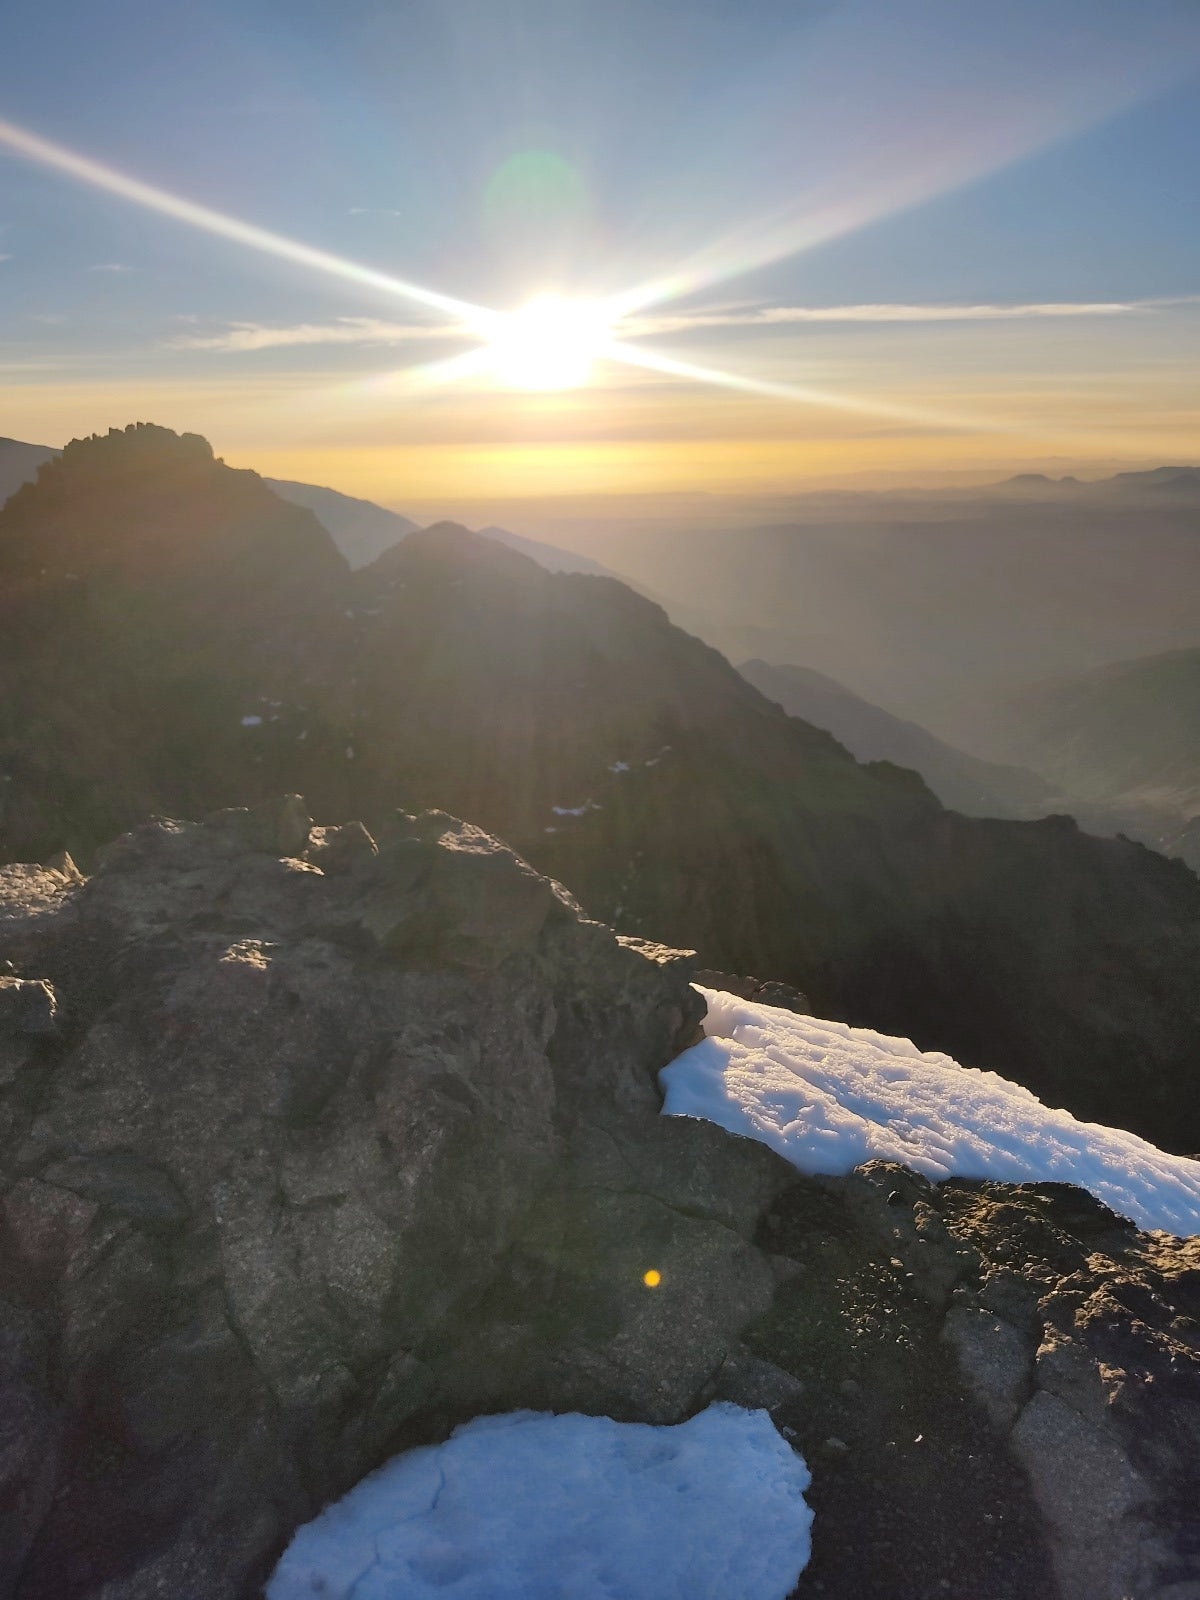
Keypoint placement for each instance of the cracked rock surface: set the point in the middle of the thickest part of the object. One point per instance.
(316, 1142)
(1001, 1390)
(303, 1163)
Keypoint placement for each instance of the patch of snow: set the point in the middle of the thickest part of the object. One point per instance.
(251, 722)
(573, 811)
(349, 752)
(619, 766)
(828, 1097)
(532, 1506)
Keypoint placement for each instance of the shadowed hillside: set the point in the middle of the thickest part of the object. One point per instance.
(175, 639)
(960, 781)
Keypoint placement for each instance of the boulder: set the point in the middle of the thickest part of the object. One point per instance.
(340, 1148)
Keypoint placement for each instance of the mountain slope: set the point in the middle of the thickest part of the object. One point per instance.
(1124, 742)
(176, 638)
(360, 529)
(19, 464)
(1125, 734)
(960, 781)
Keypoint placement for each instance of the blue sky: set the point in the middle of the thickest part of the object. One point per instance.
(747, 158)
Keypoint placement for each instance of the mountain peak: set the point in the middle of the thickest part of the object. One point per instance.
(449, 546)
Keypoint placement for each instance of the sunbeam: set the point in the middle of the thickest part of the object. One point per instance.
(869, 97)
(656, 361)
(85, 170)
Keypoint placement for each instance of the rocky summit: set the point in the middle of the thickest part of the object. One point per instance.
(318, 1140)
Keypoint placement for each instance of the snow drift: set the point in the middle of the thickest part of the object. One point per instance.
(531, 1506)
(828, 1097)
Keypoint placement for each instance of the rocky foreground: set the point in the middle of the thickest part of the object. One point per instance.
(314, 1144)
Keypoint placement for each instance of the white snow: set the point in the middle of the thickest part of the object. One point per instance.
(572, 811)
(619, 766)
(828, 1097)
(532, 1506)
(251, 722)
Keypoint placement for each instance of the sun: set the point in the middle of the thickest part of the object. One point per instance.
(550, 343)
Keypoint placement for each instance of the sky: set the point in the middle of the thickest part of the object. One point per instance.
(791, 243)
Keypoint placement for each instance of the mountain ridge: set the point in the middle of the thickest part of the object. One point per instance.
(567, 714)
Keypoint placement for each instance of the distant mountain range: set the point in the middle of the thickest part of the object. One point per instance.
(175, 637)
(928, 603)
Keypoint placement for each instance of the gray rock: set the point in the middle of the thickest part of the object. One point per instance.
(1088, 1491)
(338, 1151)
(994, 1358)
(28, 1007)
(747, 1380)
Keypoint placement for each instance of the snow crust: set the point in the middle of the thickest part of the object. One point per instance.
(531, 1506)
(828, 1097)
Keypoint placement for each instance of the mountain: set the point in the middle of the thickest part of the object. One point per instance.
(175, 638)
(928, 603)
(960, 781)
(155, 606)
(19, 464)
(1125, 736)
(362, 531)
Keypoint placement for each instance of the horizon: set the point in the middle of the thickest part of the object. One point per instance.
(792, 249)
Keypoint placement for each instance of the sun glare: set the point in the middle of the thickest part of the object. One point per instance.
(550, 343)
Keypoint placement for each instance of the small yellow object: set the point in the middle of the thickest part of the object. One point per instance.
(652, 1279)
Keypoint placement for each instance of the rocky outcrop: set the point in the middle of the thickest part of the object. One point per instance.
(1012, 1370)
(305, 1157)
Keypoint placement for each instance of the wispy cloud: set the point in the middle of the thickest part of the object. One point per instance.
(372, 211)
(109, 266)
(775, 316)
(249, 336)
(344, 330)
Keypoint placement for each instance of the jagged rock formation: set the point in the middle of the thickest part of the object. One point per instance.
(305, 1157)
(174, 638)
